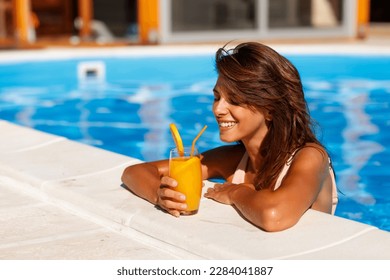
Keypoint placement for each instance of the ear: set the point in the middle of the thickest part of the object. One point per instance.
(268, 116)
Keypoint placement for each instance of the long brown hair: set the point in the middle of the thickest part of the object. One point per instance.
(262, 79)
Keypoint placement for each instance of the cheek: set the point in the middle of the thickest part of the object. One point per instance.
(255, 121)
(213, 108)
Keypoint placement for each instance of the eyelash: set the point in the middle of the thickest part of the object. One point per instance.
(217, 97)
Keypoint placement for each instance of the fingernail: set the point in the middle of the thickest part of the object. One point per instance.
(182, 197)
(183, 206)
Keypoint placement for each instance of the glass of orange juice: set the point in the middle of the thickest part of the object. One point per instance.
(186, 170)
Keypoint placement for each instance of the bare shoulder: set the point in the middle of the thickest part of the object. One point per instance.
(221, 161)
(312, 156)
(313, 150)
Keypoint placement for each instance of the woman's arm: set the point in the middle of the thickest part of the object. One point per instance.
(144, 179)
(280, 209)
(221, 162)
(150, 181)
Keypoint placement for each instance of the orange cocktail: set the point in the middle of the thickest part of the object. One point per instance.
(184, 167)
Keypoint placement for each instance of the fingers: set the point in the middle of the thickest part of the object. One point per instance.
(211, 192)
(168, 182)
(174, 211)
(167, 193)
(170, 200)
(218, 187)
(220, 193)
(173, 208)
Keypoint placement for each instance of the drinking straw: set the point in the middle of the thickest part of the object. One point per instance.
(196, 138)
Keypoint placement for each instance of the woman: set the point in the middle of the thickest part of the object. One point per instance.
(278, 169)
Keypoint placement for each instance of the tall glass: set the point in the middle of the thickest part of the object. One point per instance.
(186, 170)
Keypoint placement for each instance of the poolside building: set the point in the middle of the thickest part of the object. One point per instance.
(29, 22)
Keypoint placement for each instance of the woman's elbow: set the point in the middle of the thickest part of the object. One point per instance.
(273, 220)
(124, 175)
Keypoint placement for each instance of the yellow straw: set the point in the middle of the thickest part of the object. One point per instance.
(196, 138)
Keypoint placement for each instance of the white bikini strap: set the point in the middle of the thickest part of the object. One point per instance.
(239, 174)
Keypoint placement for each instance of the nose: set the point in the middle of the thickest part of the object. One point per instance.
(220, 107)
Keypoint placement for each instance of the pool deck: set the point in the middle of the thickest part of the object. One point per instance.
(55, 207)
(60, 199)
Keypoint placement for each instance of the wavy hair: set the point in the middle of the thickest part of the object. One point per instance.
(262, 79)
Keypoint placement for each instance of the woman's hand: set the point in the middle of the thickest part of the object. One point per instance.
(223, 192)
(168, 199)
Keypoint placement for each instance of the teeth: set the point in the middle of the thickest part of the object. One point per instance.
(227, 124)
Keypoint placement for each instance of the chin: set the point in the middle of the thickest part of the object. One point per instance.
(227, 139)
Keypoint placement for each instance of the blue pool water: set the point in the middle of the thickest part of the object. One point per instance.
(126, 106)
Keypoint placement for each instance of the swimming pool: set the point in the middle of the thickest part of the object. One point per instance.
(125, 104)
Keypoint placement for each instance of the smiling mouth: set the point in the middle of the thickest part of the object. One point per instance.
(227, 124)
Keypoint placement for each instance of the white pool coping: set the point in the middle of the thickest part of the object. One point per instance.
(63, 200)
(60, 53)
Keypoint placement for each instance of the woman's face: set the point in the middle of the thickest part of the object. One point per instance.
(237, 123)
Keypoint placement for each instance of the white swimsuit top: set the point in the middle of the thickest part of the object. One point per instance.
(239, 178)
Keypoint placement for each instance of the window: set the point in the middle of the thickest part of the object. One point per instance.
(305, 13)
(205, 15)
